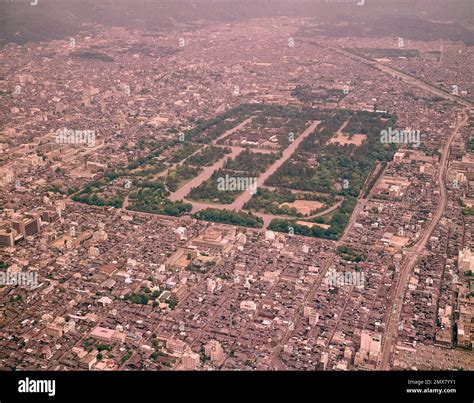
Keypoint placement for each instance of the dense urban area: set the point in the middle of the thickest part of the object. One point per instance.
(246, 195)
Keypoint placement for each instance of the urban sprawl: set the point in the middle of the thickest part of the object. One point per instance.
(240, 196)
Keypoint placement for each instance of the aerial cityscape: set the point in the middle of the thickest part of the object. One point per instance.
(280, 190)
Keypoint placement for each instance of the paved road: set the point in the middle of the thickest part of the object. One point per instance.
(276, 362)
(414, 253)
(267, 218)
(183, 191)
(287, 153)
(235, 129)
(405, 77)
(238, 204)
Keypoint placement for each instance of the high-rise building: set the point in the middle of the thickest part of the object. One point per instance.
(324, 360)
(177, 347)
(466, 260)
(313, 318)
(312, 315)
(28, 225)
(6, 237)
(49, 215)
(372, 343)
(214, 350)
(190, 360)
(32, 224)
(211, 285)
(17, 224)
